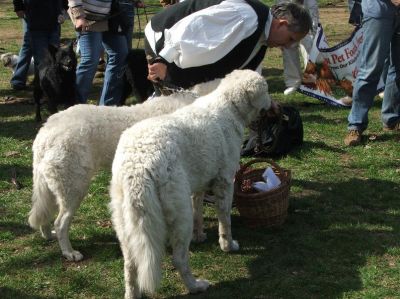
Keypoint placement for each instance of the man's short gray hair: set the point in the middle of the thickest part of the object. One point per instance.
(299, 20)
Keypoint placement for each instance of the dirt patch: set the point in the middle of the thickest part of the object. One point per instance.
(334, 20)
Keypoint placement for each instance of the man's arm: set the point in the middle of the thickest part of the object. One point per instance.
(208, 35)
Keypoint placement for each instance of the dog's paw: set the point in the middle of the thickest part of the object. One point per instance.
(47, 233)
(133, 294)
(200, 285)
(228, 246)
(73, 256)
(199, 237)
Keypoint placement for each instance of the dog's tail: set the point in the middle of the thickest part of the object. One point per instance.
(43, 201)
(140, 225)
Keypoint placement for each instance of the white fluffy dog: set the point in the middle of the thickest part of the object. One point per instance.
(70, 149)
(161, 161)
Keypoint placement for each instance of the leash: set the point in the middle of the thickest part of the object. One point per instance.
(167, 89)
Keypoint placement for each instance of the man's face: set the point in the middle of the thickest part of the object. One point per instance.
(281, 36)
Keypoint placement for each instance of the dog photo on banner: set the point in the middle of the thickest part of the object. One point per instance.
(331, 71)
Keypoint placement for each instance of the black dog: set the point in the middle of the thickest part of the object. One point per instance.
(55, 78)
(136, 77)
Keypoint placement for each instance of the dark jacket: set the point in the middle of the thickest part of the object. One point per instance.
(40, 15)
(233, 60)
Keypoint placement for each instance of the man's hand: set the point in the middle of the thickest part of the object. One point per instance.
(20, 13)
(139, 4)
(157, 71)
(81, 24)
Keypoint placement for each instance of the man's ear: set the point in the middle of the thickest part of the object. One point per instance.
(283, 22)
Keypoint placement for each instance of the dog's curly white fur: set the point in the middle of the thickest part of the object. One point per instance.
(10, 60)
(161, 161)
(72, 146)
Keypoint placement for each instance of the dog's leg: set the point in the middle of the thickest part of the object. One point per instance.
(37, 95)
(47, 233)
(198, 226)
(127, 87)
(130, 275)
(62, 225)
(52, 101)
(181, 224)
(69, 201)
(223, 193)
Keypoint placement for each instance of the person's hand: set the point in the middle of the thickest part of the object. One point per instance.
(81, 24)
(396, 2)
(20, 13)
(157, 71)
(61, 19)
(139, 4)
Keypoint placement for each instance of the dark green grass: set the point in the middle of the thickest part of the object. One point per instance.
(340, 240)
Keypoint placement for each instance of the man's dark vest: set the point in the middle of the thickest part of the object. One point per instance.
(233, 60)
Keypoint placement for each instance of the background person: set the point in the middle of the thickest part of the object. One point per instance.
(20, 76)
(381, 22)
(41, 23)
(292, 70)
(234, 35)
(98, 28)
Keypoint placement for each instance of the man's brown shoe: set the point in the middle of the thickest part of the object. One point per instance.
(353, 138)
(395, 128)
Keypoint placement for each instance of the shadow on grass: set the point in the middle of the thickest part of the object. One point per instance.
(10, 293)
(274, 77)
(23, 107)
(17, 229)
(331, 231)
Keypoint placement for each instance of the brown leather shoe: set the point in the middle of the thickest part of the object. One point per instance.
(395, 128)
(353, 138)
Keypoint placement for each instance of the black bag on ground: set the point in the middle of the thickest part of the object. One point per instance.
(275, 136)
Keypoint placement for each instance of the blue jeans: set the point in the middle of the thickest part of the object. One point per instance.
(128, 7)
(40, 41)
(382, 41)
(91, 44)
(24, 60)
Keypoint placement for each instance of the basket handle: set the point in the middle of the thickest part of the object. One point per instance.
(254, 161)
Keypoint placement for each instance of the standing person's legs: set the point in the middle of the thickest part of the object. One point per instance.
(117, 50)
(128, 7)
(90, 48)
(18, 80)
(40, 41)
(351, 4)
(391, 99)
(374, 50)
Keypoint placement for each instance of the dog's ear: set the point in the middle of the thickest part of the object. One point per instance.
(256, 91)
(71, 45)
(52, 50)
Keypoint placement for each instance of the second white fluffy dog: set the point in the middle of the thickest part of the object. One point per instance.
(161, 161)
(70, 149)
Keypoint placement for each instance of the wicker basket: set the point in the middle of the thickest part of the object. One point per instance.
(261, 208)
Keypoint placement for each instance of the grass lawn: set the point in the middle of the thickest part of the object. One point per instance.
(341, 238)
